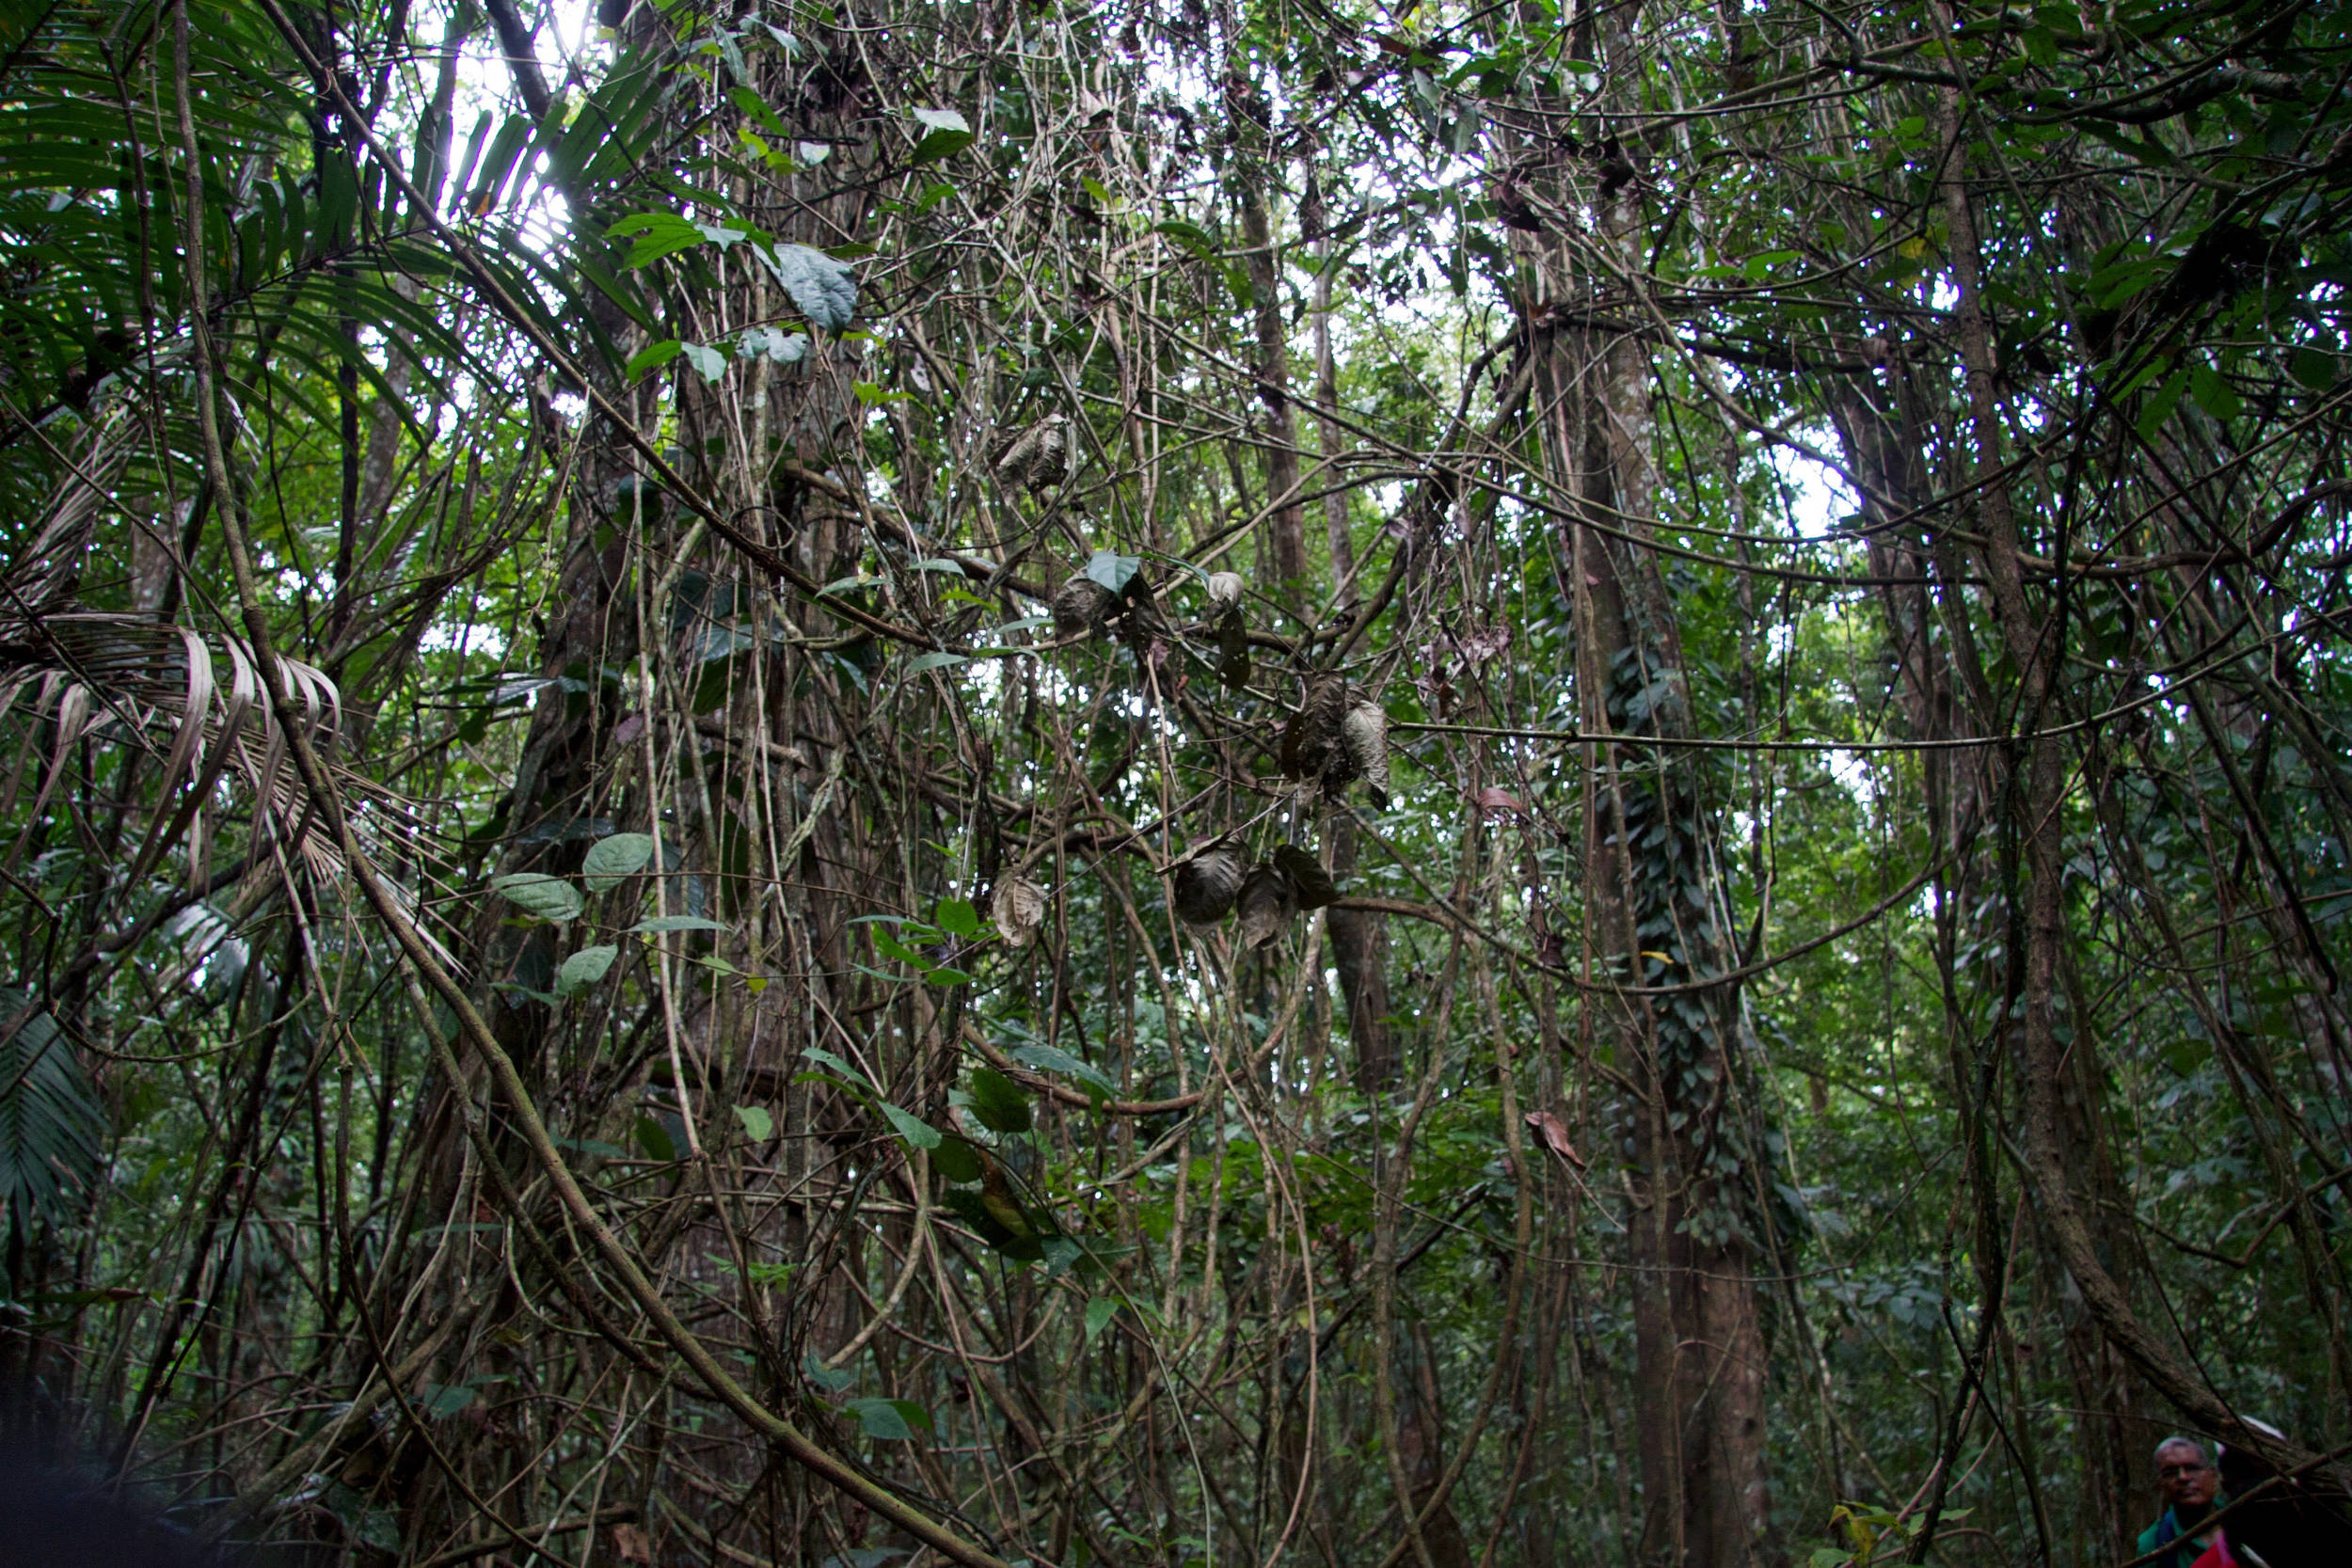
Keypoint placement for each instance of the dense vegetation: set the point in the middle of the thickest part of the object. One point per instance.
(1176, 783)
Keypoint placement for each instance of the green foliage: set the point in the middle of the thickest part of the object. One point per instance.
(52, 1128)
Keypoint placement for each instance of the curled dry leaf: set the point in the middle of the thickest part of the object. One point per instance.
(1310, 739)
(1018, 909)
(1082, 606)
(1311, 887)
(1267, 903)
(1498, 804)
(1225, 589)
(1233, 650)
(1364, 740)
(1039, 458)
(1206, 883)
(1555, 1134)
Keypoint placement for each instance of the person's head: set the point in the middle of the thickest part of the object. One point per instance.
(2186, 1472)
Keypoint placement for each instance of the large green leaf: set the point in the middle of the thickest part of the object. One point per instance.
(50, 1125)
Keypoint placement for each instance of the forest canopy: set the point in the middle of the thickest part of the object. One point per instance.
(1190, 782)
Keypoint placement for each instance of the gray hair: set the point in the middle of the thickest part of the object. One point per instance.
(2178, 1441)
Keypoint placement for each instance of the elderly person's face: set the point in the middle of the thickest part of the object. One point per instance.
(2186, 1479)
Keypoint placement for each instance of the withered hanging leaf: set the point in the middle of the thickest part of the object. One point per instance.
(1225, 589)
(1233, 650)
(1314, 730)
(1039, 458)
(1364, 739)
(1311, 887)
(1082, 606)
(1017, 908)
(1206, 883)
(1498, 805)
(1267, 903)
(1555, 1134)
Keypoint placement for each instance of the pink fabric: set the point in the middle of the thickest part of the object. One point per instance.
(2218, 1554)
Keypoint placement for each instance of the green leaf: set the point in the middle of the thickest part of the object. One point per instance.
(823, 1057)
(890, 947)
(711, 362)
(2214, 395)
(1048, 1058)
(759, 1125)
(890, 1420)
(752, 105)
(785, 348)
(2313, 368)
(1113, 571)
(51, 1127)
(1100, 1311)
(941, 660)
(957, 917)
(825, 290)
(998, 1103)
(550, 898)
(661, 924)
(945, 134)
(442, 1400)
(941, 144)
(611, 861)
(585, 969)
(655, 236)
(957, 1160)
(913, 1129)
(654, 1139)
(2160, 404)
(1191, 236)
(652, 357)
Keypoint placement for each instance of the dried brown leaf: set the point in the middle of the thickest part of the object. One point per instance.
(1555, 1134)
(1206, 883)
(1018, 910)
(1268, 904)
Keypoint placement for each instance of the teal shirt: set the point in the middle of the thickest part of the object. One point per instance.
(2169, 1529)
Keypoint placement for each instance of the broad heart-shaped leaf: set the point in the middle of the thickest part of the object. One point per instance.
(1113, 571)
(759, 1125)
(890, 1420)
(583, 969)
(612, 859)
(941, 119)
(1100, 1311)
(957, 917)
(957, 1160)
(998, 1101)
(711, 362)
(547, 897)
(913, 1129)
(824, 289)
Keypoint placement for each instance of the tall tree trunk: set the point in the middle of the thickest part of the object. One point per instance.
(1657, 914)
